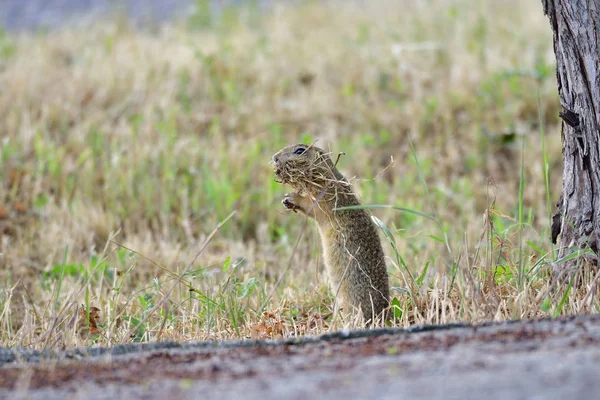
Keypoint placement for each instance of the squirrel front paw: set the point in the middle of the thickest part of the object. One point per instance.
(290, 202)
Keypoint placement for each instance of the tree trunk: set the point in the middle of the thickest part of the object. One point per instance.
(576, 27)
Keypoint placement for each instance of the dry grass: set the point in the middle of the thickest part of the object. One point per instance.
(149, 139)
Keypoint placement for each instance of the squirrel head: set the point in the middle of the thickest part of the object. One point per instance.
(304, 167)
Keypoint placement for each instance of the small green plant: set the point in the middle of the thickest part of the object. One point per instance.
(7, 47)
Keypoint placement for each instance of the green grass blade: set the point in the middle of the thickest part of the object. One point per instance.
(375, 206)
(60, 279)
(520, 217)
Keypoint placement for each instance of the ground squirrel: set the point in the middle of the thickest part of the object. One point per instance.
(352, 250)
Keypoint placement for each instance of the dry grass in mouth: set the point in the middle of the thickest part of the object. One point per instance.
(314, 177)
(151, 138)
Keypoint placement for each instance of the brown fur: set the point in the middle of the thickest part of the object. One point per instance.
(351, 247)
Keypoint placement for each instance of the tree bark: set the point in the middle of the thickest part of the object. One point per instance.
(576, 28)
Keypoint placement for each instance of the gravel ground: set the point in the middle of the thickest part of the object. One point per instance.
(35, 14)
(19, 15)
(547, 359)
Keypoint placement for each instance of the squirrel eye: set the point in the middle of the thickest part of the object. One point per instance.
(299, 150)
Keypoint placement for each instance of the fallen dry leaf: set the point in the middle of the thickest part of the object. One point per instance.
(19, 207)
(270, 326)
(93, 321)
(15, 176)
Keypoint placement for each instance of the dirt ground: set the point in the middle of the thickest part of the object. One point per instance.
(546, 359)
